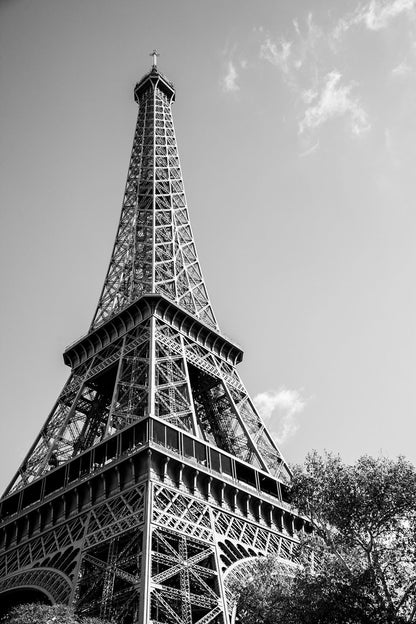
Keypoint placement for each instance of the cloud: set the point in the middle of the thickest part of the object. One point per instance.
(335, 100)
(291, 55)
(402, 69)
(378, 14)
(309, 150)
(308, 54)
(309, 96)
(374, 15)
(229, 82)
(281, 407)
(276, 53)
(319, 96)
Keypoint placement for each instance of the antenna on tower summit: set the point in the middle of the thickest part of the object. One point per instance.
(154, 54)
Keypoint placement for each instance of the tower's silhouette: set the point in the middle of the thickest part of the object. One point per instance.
(153, 482)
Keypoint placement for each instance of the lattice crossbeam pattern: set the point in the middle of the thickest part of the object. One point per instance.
(222, 412)
(107, 393)
(153, 369)
(154, 250)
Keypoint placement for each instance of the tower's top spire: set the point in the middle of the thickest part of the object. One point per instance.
(152, 78)
(154, 54)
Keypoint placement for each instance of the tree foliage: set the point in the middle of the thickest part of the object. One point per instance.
(359, 565)
(36, 613)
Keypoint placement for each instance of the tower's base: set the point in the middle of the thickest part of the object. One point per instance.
(142, 530)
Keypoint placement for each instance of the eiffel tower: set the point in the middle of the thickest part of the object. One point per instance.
(153, 484)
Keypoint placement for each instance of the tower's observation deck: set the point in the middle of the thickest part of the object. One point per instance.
(151, 80)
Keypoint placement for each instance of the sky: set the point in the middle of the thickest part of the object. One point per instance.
(296, 128)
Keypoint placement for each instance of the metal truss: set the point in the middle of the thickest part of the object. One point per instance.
(98, 558)
(189, 561)
(106, 394)
(63, 541)
(193, 547)
(105, 512)
(109, 581)
(154, 250)
(153, 369)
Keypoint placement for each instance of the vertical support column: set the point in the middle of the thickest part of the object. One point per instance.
(153, 285)
(115, 391)
(77, 572)
(225, 614)
(145, 596)
(109, 577)
(195, 427)
(152, 365)
(186, 610)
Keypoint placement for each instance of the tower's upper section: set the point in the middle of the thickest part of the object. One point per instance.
(154, 250)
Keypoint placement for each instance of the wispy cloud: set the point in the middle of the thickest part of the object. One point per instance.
(319, 96)
(290, 55)
(374, 15)
(378, 14)
(310, 150)
(334, 100)
(281, 407)
(309, 55)
(229, 81)
(402, 69)
(277, 53)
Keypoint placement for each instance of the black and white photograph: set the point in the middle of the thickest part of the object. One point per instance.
(207, 320)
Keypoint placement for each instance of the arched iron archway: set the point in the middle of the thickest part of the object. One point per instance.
(241, 570)
(22, 595)
(40, 584)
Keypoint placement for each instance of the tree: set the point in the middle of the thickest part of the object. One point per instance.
(36, 613)
(359, 565)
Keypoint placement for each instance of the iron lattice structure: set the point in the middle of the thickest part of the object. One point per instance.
(153, 482)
